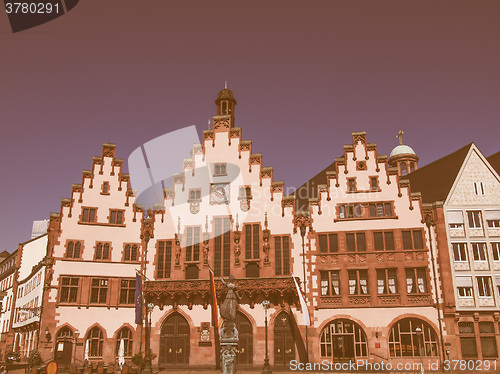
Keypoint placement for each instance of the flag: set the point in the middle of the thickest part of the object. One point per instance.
(303, 305)
(215, 308)
(138, 299)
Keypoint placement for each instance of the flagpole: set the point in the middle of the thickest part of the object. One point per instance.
(303, 234)
(215, 320)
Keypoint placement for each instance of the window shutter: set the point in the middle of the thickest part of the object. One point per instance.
(464, 281)
(455, 216)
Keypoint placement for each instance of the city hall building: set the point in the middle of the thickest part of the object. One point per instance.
(356, 237)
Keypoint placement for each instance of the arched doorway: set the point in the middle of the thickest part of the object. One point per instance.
(174, 341)
(245, 345)
(342, 339)
(284, 342)
(64, 346)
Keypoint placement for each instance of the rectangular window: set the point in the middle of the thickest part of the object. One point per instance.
(350, 211)
(130, 252)
(356, 242)
(361, 241)
(358, 282)
(194, 194)
(479, 251)
(479, 188)
(413, 239)
(493, 223)
(222, 250)
(89, 214)
(282, 255)
(467, 339)
(69, 289)
(163, 267)
(460, 252)
(73, 249)
(383, 240)
(474, 218)
(416, 280)
(380, 210)
(252, 241)
(102, 251)
(328, 243)
(127, 291)
(220, 169)
(99, 291)
(351, 242)
(245, 192)
(464, 285)
(193, 244)
(374, 183)
(495, 248)
(484, 286)
(351, 184)
(116, 217)
(330, 283)
(387, 281)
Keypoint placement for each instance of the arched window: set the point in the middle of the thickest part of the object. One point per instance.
(404, 169)
(125, 334)
(412, 167)
(412, 337)
(95, 339)
(64, 333)
(343, 339)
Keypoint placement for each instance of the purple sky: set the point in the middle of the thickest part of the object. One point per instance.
(305, 74)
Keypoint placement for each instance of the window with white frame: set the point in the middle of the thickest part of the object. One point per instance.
(460, 252)
(492, 218)
(495, 248)
(474, 218)
(484, 286)
(479, 188)
(455, 219)
(464, 285)
(479, 251)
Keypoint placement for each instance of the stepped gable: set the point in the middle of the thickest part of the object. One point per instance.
(435, 180)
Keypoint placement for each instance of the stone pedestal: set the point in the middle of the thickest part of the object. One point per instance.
(229, 347)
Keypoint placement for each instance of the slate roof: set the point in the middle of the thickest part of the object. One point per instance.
(434, 181)
(494, 161)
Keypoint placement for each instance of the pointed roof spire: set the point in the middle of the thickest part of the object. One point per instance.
(225, 84)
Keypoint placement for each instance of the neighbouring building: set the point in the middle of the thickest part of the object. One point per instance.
(29, 288)
(7, 276)
(461, 192)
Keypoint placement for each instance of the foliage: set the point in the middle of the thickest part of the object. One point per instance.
(139, 360)
(34, 359)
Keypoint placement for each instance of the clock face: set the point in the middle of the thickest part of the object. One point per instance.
(219, 193)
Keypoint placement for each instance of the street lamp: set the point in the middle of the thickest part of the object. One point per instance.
(76, 334)
(267, 368)
(147, 354)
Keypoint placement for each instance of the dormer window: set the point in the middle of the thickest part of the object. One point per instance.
(220, 169)
(374, 183)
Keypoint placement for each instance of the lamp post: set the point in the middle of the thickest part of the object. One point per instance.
(147, 354)
(303, 234)
(76, 334)
(267, 368)
(419, 338)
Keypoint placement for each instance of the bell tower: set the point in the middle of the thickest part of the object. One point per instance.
(403, 157)
(225, 102)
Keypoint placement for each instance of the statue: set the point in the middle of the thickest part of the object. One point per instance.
(228, 307)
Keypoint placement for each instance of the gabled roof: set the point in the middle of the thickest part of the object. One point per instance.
(435, 180)
(494, 161)
(309, 189)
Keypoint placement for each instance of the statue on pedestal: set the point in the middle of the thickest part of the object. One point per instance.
(228, 332)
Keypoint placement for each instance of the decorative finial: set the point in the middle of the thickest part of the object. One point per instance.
(237, 225)
(225, 84)
(209, 123)
(265, 220)
(400, 136)
(206, 224)
(179, 225)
